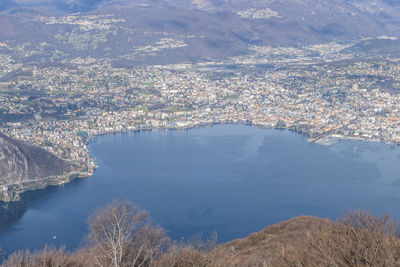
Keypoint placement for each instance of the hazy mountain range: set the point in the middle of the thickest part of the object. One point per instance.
(59, 5)
(209, 28)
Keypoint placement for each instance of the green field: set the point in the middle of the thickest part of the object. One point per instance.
(149, 84)
(175, 109)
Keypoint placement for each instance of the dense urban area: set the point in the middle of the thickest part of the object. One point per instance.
(324, 91)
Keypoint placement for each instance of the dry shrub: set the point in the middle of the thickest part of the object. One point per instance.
(182, 256)
(369, 241)
(48, 257)
(265, 247)
(359, 239)
(196, 252)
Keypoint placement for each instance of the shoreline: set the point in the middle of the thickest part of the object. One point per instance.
(12, 193)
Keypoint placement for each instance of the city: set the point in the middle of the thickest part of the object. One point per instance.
(326, 101)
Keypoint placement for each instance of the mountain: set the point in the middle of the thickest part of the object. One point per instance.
(201, 29)
(65, 6)
(21, 163)
(289, 22)
(380, 46)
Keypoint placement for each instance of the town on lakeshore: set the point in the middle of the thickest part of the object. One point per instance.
(325, 91)
(217, 117)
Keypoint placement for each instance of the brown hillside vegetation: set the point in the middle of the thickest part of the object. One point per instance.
(122, 235)
(359, 239)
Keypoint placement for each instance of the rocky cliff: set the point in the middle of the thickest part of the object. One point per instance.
(24, 167)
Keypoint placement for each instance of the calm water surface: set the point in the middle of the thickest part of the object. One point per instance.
(232, 179)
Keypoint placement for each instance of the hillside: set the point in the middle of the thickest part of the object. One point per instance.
(269, 244)
(358, 239)
(21, 163)
(185, 31)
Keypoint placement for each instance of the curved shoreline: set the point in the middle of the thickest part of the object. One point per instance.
(12, 193)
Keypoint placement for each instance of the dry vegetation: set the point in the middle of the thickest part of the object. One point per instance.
(122, 235)
(359, 239)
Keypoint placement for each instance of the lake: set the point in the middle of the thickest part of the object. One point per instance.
(234, 179)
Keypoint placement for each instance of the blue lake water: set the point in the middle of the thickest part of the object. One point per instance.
(234, 179)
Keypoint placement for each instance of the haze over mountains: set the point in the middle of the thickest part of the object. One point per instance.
(207, 29)
(63, 5)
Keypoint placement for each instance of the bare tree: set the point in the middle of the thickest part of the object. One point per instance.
(121, 235)
(147, 245)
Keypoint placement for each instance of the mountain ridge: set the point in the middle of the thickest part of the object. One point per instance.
(22, 164)
(278, 23)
